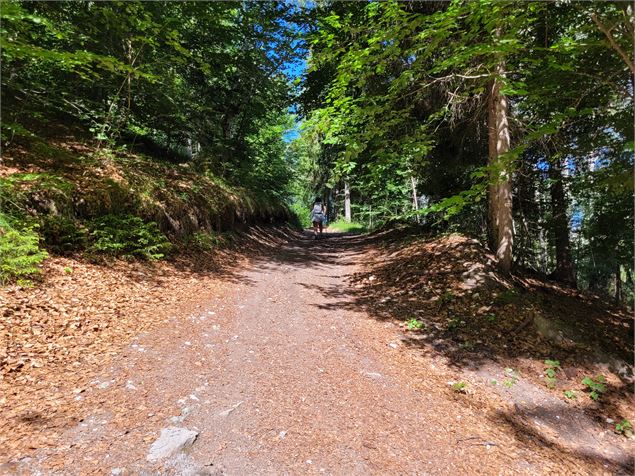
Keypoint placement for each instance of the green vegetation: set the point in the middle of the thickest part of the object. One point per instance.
(20, 253)
(552, 368)
(511, 379)
(179, 113)
(400, 101)
(415, 324)
(204, 241)
(446, 298)
(624, 428)
(596, 386)
(347, 227)
(459, 387)
(509, 296)
(570, 394)
(127, 236)
(169, 116)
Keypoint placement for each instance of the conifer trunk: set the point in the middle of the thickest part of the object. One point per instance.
(564, 264)
(500, 188)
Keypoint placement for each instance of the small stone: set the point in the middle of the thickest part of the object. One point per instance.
(373, 375)
(230, 410)
(116, 471)
(171, 441)
(185, 411)
(610, 420)
(282, 434)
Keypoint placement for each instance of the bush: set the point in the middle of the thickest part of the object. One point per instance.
(203, 241)
(302, 214)
(20, 254)
(127, 236)
(62, 234)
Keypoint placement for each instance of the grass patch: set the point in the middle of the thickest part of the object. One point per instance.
(345, 227)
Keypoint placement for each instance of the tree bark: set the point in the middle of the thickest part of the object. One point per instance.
(618, 284)
(415, 197)
(626, 56)
(347, 203)
(564, 264)
(500, 188)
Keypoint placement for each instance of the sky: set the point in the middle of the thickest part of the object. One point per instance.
(294, 71)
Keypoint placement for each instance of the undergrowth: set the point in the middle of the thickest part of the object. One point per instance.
(127, 236)
(110, 202)
(20, 253)
(346, 227)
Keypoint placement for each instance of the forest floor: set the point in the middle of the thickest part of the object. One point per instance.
(295, 359)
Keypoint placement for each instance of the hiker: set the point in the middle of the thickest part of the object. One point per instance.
(318, 216)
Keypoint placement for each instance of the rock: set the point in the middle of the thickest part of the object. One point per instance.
(171, 441)
(229, 410)
(184, 413)
(116, 471)
(373, 375)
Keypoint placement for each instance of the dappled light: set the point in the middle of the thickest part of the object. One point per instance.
(284, 237)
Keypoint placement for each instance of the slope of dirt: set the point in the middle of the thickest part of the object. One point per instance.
(296, 363)
(56, 336)
(64, 178)
(493, 334)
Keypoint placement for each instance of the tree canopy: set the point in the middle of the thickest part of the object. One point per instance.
(506, 120)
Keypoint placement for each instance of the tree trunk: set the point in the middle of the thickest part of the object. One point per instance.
(415, 198)
(500, 188)
(618, 284)
(347, 203)
(564, 264)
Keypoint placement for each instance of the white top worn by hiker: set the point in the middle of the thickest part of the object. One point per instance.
(317, 214)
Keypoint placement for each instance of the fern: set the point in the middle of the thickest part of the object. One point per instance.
(20, 254)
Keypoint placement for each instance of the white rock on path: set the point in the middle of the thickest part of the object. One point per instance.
(172, 439)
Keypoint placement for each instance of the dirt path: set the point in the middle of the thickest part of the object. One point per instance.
(281, 375)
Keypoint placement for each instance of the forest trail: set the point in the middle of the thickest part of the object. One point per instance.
(283, 374)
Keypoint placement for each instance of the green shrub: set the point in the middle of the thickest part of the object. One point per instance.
(63, 234)
(302, 213)
(459, 387)
(552, 368)
(624, 428)
(596, 386)
(127, 236)
(20, 254)
(203, 241)
(414, 324)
